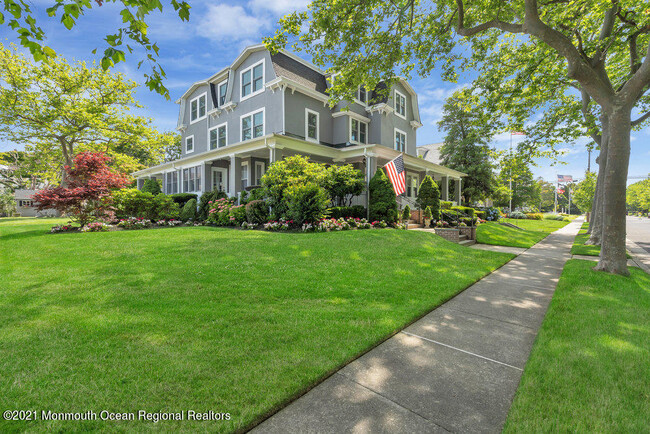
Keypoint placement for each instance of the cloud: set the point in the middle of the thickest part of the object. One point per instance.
(231, 23)
(280, 7)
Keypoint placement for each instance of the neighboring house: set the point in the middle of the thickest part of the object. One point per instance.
(26, 207)
(265, 107)
(431, 152)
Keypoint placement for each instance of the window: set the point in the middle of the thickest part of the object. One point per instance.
(252, 125)
(259, 171)
(412, 186)
(400, 140)
(311, 125)
(218, 136)
(197, 108)
(189, 144)
(171, 182)
(222, 88)
(400, 105)
(358, 132)
(244, 175)
(252, 80)
(25, 203)
(192, 179)
(362, 95)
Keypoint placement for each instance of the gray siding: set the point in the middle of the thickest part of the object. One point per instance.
(295, 105)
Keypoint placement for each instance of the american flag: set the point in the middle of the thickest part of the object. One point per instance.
(564, 178)
(395, 171)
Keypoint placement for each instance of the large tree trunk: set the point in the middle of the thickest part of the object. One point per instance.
(597, 212)
(612, 254)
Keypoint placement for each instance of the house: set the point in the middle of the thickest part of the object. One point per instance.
(431, 152)
(265, 107)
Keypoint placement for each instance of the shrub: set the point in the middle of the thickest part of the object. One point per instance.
(356, 211)
(464, 209)
(243, 197)
(534, 216)
(182, 198)
(205, 203)
(257, 212)
(427, 213)
(557, 217)
(256, 194)
(306, 202)
(189, 211)
(492, 214)
(292, 171)
(517, 215)
(445, 204)
(429, 196)
(406, 213)
(237, 215)
(343, 182)
(479, 214)
(131, 202)
(383, 204)
(152, 186)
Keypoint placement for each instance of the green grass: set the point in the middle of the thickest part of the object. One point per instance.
(533, 232)
(588, 371)
(579, 247)
(204, 318)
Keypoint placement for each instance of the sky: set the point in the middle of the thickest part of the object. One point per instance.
(216, 34)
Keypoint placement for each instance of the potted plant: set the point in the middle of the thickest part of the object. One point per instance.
(406, 214)
(427, 217)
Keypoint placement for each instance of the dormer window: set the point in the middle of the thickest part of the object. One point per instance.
(197, 108)
(400, 104)
(362, 95)
(252, 80)
(221, 89)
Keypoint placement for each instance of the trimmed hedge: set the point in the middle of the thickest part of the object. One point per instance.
(189, 211)
(356, 211)
(257, 212)
(464, 209)
(182, 198)
(444, 204)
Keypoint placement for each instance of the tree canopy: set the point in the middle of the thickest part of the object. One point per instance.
(638, 196)
(19, 16)
(566, 58)
(56, 110)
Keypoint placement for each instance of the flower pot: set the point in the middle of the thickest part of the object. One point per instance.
(427, 223)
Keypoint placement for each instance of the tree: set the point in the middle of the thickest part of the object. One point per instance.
(525, 190)
(546, 195)
(583, 194)
(638, 196)
(563, 57)
(58, 110)
(152, 186)
(429, 197)
(25, 23)
(173, 147)
(18, 172)
(383, 202)
(89, 183)
(466, 149)
(7, 203)
(343, 183)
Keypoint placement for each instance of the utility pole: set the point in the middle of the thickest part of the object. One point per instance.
(589, 160)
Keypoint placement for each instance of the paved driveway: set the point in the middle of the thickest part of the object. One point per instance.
(638, 230)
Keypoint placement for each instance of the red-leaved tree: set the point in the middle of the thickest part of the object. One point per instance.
(88, 184)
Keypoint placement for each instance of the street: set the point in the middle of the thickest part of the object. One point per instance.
(638, 230)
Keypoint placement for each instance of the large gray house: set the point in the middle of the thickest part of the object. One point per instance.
(267, 106)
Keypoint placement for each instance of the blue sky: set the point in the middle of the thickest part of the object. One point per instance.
(216, 34)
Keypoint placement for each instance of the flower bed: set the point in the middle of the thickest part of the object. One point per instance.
(131, 223)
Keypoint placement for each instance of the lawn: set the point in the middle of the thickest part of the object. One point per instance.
(588, 370)
(579, 247)
(201, 318)
(533, 232)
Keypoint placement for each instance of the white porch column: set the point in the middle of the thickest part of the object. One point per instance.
(458, 191)
(445, 188)
(275, 154)
(234, 176)
(206, 182)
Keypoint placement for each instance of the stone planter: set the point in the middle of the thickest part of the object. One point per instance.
(427, 223)
(449, 234)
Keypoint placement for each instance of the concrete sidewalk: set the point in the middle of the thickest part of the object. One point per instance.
(455, 370)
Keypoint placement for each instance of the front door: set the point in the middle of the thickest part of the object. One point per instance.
(219, 179)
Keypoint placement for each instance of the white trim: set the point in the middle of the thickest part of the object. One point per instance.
(311, 139)
(397, 113)
(199, 118)
(283, 82)
(406, 137)
(216, 127)
(241, 118)
(351, 114)
(221, 83)
(250, 68)
(193, 144)
(356, 142)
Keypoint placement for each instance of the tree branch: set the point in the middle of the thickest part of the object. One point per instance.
(635, 86)
(640, 119)
(492, 24)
